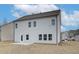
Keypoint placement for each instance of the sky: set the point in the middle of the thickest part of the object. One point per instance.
(69, 13)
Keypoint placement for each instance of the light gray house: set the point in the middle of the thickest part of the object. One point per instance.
(77, 37)
(7, 32)
(36, 28)
(65, 35)
(70, 36)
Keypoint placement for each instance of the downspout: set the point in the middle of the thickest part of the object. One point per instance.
(56, 30)
(60, 27)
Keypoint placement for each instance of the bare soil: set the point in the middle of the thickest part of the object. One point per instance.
(69, 47)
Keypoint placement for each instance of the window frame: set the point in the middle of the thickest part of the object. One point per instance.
(29, 24)
(16, 25)
(27, 37)
(21, 37)
(49, 36)
(34, 23)
(45, 37)
(53, 21)
(40, 36)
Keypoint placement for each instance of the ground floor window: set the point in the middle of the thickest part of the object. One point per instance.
(27, 37)
(40, 36)
(49, 36)
(45, 37)
(21, 37)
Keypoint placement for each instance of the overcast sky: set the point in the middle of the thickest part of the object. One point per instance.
(69, 12)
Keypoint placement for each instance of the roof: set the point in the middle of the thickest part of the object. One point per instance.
(39, 15)
(35, 16)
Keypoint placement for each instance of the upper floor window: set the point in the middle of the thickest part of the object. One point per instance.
(29, 24)
(34, 23)
(53, 21)
(16, 25)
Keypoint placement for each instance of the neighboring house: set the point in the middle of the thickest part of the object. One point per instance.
(36, 28)
(77, 37)
(70, 36)
(7, 32)
(65, 36)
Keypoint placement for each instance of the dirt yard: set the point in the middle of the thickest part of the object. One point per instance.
(70, 47)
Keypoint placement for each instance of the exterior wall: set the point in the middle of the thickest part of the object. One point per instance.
(65, 36)
(7, 32)
(43, 26)
(77, 37)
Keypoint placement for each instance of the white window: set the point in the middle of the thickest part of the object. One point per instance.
(34, 23)
(21, 37)
(16, 25)
(27, 37)
(49, 36)
(45, 36)
(40, 36)
(29, 24)
(53, 21)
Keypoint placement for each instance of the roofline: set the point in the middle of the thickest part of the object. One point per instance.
(6, 24)
(39, 15)
(45, 14)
